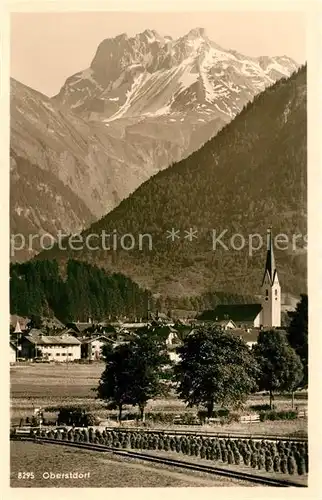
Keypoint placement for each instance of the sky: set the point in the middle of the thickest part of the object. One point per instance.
(47, 48)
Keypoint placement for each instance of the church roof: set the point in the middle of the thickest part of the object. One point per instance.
(236, 312)
(270, 267)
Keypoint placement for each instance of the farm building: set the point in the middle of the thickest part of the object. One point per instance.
(52, 348)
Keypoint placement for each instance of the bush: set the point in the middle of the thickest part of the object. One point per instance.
(230, 457)
(91, 435)
(247, 457)
(77, 416)
(237, 458)
(306, 458)
(276, 463)
(301, 466)
(268, 463)
(77, 436)
(203, 414)
(277, 415)
(232, 417)
(263, 407)
(70, 435)
(254, 460)
(291, 465)
(283, 465)
(260, 462)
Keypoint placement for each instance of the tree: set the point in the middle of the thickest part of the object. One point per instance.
(35, 322)
(150, 360)
(134, 371)
(115, 385)
(298, 333)
(215, 367)
(280, 367)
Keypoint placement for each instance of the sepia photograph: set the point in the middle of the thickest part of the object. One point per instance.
(158, 249)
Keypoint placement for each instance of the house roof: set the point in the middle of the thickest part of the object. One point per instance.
(236, 312)
(225, 322)
(133, 325)
(163, 331)
(79, 327)
(53, 340)
(249, 335)
(92, 339)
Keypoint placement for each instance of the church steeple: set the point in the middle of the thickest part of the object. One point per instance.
(271, 290)
(270, 268)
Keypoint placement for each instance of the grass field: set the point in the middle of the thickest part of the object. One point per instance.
(105, 471)
(48, 385)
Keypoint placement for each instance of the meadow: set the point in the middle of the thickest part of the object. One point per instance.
(55, 385)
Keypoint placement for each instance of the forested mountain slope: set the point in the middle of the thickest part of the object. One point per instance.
(252, 175)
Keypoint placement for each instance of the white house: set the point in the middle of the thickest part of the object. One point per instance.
(62, 348)
(92, 348)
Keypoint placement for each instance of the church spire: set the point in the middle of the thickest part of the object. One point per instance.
(270, 267)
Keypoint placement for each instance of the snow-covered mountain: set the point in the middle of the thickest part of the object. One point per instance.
(151, 76)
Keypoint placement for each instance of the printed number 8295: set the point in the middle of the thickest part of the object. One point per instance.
(26, 475)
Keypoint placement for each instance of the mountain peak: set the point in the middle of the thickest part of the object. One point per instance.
(197, 33)
(150, 35)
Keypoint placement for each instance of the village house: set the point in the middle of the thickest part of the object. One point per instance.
(61, 348)
(91, 348)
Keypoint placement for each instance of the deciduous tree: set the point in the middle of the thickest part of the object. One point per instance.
(298, 333)
(215, 367)
(115, 385)
(280, 367)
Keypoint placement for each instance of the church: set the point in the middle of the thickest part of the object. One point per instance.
(266, 314)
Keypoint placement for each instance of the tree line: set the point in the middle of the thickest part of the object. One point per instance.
(215, 367)
(41, 288)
